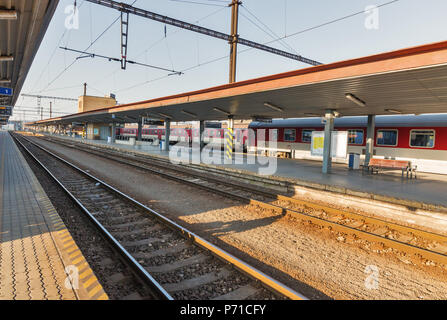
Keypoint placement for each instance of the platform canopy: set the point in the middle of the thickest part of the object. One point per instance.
(407, 81)
(23, 24)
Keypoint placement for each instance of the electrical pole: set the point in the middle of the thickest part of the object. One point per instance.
(234, 38)
(51, 110)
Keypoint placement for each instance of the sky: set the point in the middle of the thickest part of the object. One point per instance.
(322, 30)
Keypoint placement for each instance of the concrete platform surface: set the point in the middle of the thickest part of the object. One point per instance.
(428, 188)
(38, 257)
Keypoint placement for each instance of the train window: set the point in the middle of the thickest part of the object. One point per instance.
(306, 135)
(422, 138)
(386, 138)
(355, 136)
(289, 135)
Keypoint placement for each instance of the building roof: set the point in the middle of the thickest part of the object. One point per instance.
(412, 80)
(20, 39)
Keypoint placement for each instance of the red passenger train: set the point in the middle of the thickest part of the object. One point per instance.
(211, 135)
(421, 139)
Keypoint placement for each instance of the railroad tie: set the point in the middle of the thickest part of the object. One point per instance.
(198, 258)
(196, 282)
(242, 293)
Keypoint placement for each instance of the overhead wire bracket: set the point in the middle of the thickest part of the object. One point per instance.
(124, 37)
(94, 55)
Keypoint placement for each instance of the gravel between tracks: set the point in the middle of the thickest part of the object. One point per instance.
(298, 254)
(95, 249)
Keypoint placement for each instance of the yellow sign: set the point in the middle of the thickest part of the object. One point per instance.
(318, 143)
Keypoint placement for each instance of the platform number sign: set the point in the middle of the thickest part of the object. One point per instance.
(5, 91)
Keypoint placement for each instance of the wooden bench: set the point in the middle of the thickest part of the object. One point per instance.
(388, 164)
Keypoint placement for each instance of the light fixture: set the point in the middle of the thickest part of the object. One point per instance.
(6, 58)
(355, 99)
(222, 111)
(312, 115)
(393, 111)
(272, 106)
(8, 15)
(189, 113)
(5, 80)
(262, 119)
(165, 115)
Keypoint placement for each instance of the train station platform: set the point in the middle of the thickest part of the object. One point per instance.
(39, 259)
(426, 192)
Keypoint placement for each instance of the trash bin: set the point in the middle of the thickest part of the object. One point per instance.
(354, 161)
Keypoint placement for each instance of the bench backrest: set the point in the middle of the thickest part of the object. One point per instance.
(389, 163)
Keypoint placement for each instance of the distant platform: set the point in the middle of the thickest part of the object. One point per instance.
(427, 191)
(36, 249)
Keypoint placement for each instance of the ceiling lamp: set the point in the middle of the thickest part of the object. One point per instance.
(393, 111)
(165, 115)
(6, 58)
(355, 99)
(222, 111)
(189, 113)
(272, 106)
(8, 15)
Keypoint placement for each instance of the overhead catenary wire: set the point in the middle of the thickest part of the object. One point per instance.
(248, 49)
(329, 22)
(196, 2)
(91, 44)
(160, 40)
(85, 54)
(270, 34)
(54, 51)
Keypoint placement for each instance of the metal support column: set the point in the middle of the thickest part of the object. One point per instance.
(140, 129)
(167, 134)
(328, 128)
(234, 38)
(113, 136)
(229, 140)
(369, 152)
(201, 136)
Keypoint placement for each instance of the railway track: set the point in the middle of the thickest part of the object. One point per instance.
(431, 247)
(174, 262)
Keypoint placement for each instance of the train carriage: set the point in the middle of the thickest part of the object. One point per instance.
(212, 136)
(421, 139)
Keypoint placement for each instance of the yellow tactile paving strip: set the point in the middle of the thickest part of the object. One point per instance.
(38, 257)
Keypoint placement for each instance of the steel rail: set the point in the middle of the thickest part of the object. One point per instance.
(245, 268)
(370, 236)
(137, 269)
(406, 229)
(173, 177)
